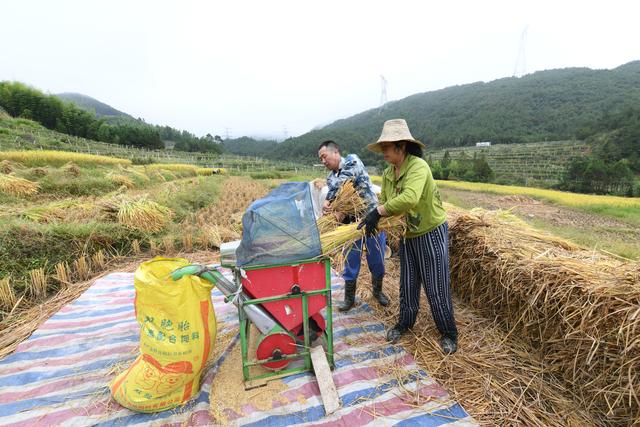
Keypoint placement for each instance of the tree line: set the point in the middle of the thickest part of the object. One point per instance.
(20, 100)
(614, 163)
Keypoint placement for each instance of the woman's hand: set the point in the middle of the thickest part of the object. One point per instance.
(370, 222)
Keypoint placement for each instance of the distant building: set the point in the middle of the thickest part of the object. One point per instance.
(483, 144)
(168, 145)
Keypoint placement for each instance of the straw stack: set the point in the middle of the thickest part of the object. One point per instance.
(579, 310)
(496, 378)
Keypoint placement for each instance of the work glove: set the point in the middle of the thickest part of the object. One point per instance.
(348, 219)
(370, 222)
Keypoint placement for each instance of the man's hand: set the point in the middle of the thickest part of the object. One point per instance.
(326, 207)
(339, 216)
(370, 222)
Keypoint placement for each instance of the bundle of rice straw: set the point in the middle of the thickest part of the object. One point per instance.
(346, 202)
(580, 310)
(144, 215)
(72, 169)
(17, 186)
(344, 236)
(6, 167)
(120, 179)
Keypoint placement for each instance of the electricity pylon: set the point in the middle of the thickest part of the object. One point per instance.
(520, 68)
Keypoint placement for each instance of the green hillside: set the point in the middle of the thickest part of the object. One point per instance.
(547, 105)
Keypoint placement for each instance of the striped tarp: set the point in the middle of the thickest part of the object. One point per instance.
(59, 375)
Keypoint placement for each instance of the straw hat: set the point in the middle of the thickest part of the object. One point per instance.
(393, 131)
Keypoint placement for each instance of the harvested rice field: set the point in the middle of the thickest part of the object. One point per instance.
(548, 328)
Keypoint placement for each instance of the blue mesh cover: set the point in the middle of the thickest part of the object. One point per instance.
(280, 228)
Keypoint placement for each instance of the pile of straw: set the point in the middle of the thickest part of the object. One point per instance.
(496, 378)
(6, 167)
(144, 215)
(17, 186)
(120, 179)
(72, 169)
(579, 310)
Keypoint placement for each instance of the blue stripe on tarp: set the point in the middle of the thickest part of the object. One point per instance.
(25, 405)
(67, 350)
(82, 329)
(368, 355)
(92, 313)
(341, 332)
(32, 376)
(101, 291)
(436, 418)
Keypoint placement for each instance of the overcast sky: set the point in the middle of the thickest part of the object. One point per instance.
(283, 67)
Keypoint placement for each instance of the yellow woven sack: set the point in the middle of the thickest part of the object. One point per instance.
(177, 330)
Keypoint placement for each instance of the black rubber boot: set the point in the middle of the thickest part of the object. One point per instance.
(449, 346)
(377, 292)
(349, 295)
(394, 334)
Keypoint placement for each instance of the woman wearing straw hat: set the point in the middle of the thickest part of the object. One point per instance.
(409, 188)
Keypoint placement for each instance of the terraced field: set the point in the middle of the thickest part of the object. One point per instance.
(540, 161)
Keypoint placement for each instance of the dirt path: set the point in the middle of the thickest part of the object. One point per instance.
(587, 229)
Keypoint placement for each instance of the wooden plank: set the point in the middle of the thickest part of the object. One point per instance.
(324, 376)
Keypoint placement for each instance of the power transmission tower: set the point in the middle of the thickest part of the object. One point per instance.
(227, 133)
(383, 93)
(520, 68)
(285, 132)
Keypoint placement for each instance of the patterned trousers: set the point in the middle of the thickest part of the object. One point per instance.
(425, 259)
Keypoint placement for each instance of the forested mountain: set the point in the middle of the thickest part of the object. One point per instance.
(547, 105)
(88, 103)
(246, 146)
(54, 112)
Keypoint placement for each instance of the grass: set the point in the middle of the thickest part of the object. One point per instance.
(621, 241)
(623, 208)
(602, 239)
